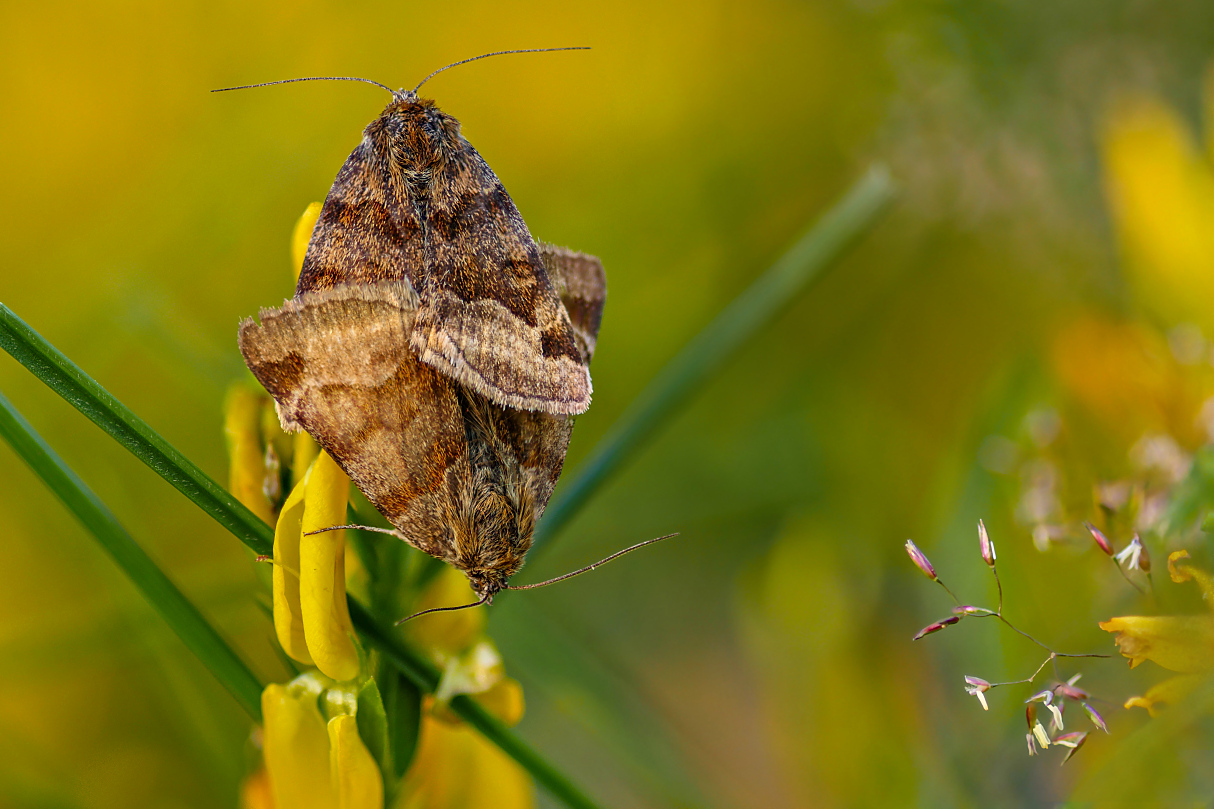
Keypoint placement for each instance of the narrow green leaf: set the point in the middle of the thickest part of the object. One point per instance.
(825, 243)
(82, 391)
(405, 711)
(181, 615)
(373, 723)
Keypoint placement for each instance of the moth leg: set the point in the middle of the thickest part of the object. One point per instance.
(394, 532)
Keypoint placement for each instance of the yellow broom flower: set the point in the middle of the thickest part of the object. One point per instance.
(310, 614)
(312, 762)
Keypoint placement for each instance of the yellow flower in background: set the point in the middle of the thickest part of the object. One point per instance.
(310, 613)
(302, 235)
(455, 767)
(1180, 643)
(312, 762)
(1124, 374)
(252, 460)
(1160, 187)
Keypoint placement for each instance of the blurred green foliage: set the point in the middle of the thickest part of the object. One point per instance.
(761, 660)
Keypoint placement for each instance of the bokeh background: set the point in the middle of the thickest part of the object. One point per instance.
(1032, 307)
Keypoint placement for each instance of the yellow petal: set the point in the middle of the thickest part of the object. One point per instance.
(302, 235)
(351, 767)
(1169, 692)
(288, 616)
(456, 768)
(1182, 572)
(247, 464)
(296, 751)
(303, 454)
(322, 576)
(1183, 643)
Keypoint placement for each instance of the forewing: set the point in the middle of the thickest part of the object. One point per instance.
(582, 286)
(490, 316)
(368, 230)
(338, 365)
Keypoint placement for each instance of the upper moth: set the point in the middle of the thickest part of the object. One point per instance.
(433, 348)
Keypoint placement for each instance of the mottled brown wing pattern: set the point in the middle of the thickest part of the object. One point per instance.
(368, 230)
(582, 286)
(338, 364)
(489, 316)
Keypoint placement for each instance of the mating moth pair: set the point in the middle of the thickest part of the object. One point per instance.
(433, 348)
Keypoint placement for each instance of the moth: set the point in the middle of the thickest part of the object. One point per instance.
(433, 348)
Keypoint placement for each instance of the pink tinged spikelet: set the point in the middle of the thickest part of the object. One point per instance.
(985, 545)
(1072, 740)
(1101, 540)
(976, 686)
(1096, 718)
(968, 609)
(1069, 690)
(920, 559)
(936, 627)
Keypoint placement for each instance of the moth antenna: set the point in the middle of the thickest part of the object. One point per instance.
(588, 568)
(496, 53)
(306, 78)
(484, 600)
(375, 528)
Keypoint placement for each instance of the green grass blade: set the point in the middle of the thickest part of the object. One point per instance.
(825, 243)
(173, 606)
(65, 378)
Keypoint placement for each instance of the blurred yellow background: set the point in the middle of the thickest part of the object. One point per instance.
(763, 658)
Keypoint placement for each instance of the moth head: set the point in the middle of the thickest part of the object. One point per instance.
(414, 131)
(486, 582)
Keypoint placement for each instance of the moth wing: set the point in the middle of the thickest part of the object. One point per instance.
(539, 442)
(582, 285)
(368, 230)
(339, 366)
(490, 317)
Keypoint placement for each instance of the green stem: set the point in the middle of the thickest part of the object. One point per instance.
(181, 615)
(64, 377)
(825, 243)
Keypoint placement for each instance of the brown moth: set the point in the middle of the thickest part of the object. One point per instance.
(433, 348)
(416, 203)
(460, 476)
